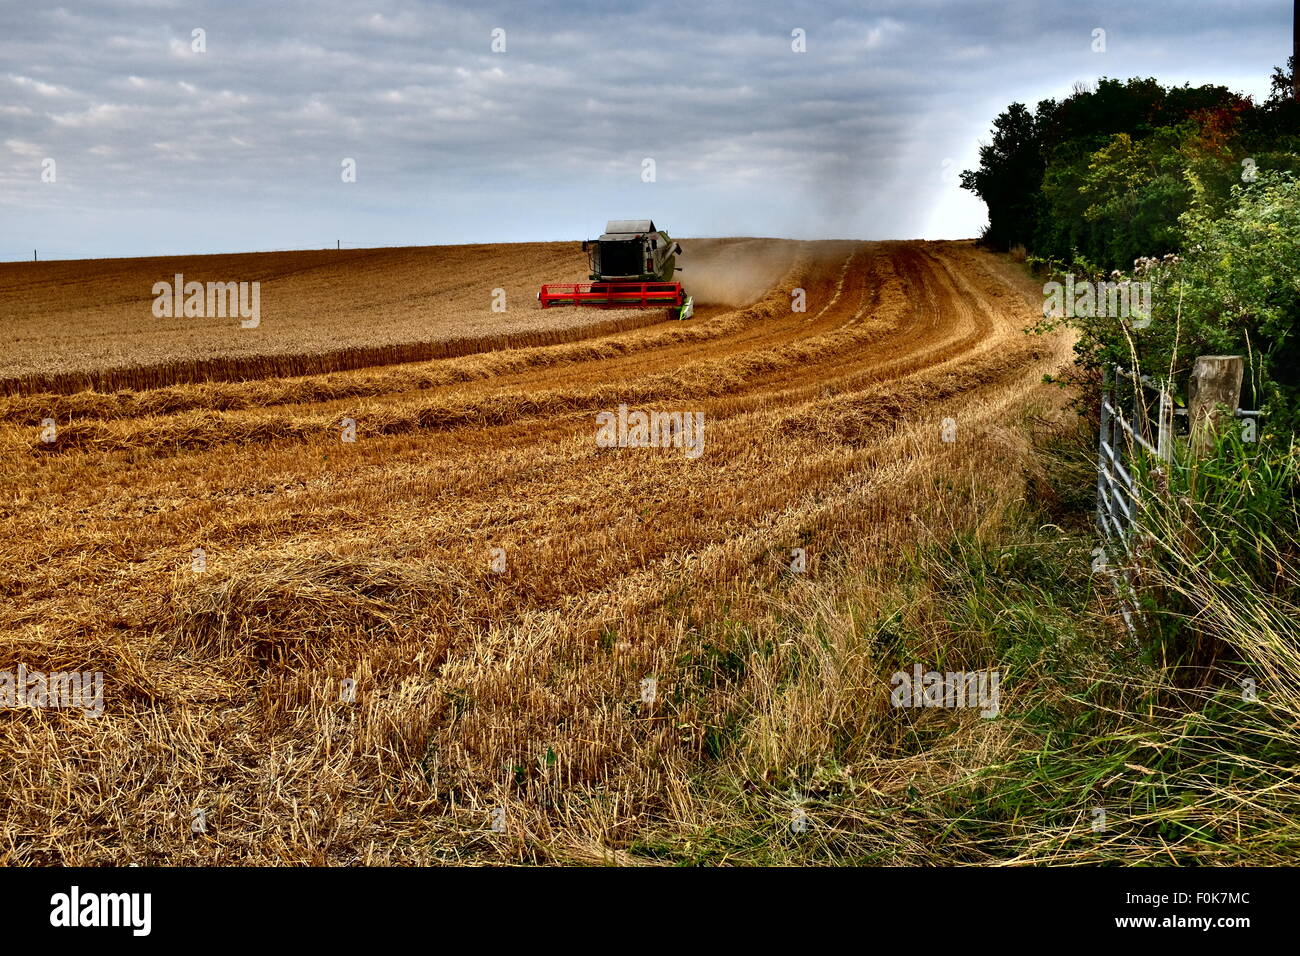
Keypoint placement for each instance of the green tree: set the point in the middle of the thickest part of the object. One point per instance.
(1009, 177)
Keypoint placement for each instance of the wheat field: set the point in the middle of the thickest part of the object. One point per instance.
(432, 643)
(90, 324)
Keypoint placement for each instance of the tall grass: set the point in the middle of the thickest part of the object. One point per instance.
(1108, 751)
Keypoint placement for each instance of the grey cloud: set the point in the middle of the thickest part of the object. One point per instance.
(161, 149)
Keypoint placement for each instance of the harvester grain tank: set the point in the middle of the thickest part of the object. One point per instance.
(633, 266)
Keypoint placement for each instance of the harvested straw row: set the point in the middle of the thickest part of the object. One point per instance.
(244, 368)
(171, 399)
(698, 380)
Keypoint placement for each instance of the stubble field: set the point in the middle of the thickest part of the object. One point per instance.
(433, 643)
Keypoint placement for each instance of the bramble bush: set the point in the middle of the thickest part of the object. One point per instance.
(1235, 290)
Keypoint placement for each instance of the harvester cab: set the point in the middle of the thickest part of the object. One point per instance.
(633, 266)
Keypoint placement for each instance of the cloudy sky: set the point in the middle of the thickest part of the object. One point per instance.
(160, 147)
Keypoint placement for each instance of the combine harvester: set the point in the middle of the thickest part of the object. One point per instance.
(632, 267)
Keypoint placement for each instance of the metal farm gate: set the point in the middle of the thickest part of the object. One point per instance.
(1137, 419)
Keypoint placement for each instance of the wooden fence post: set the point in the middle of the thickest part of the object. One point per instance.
(1215, 385)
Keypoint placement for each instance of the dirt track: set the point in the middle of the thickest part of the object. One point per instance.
(328, 559)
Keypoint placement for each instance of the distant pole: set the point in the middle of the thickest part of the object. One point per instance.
(33, 255)
(338, 243)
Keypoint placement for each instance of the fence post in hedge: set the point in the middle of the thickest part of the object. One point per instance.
(1215, 386)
